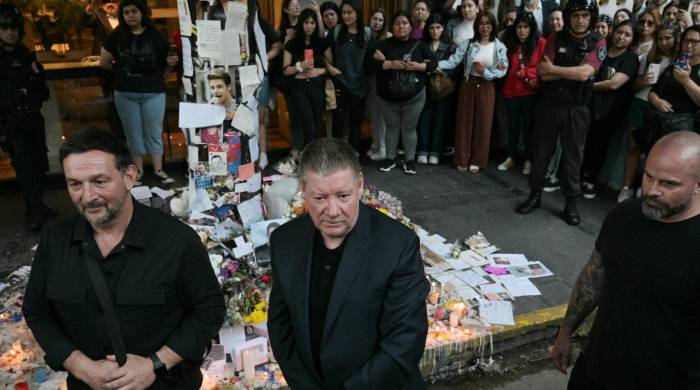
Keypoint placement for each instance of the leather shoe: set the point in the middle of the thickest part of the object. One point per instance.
(571, 215)
(533, 202)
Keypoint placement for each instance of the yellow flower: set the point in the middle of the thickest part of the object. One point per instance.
(261, 306)
(255, 317)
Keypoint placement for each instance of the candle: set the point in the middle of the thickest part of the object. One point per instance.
(454, 319)
(249, 359)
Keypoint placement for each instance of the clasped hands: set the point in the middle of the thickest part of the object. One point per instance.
(412, 66)
(136, 374)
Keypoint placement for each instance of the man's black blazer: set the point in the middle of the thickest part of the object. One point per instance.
(376, 324)
(547, 7)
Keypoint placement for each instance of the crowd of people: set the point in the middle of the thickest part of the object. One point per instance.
(451, 78)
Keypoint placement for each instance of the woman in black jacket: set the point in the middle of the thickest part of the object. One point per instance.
(401, 89)
(431, 121)
(304, 58)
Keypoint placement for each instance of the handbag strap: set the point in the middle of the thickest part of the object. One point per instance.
(103, 296)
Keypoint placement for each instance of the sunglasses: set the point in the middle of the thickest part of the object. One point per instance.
(647, 22)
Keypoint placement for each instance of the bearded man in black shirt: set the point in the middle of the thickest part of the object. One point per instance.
(166, 302)
(644, 278)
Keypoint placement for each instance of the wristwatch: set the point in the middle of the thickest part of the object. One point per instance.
(159, 367)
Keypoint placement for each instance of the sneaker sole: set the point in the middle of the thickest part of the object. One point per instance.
(589, 196)
(387, 169)
(550, 189)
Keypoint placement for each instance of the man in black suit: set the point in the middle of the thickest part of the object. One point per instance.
(541, 10)
(347, 307)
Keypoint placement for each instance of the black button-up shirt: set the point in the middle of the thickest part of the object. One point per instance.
(324, 267)
(161, 281)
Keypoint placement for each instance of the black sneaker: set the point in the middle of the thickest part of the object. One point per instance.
(589, 191)
(387, 165)
(448, 151)
(551, 185)
(409, 167)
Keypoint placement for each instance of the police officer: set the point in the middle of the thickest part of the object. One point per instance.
(23, 89)
(571, 58)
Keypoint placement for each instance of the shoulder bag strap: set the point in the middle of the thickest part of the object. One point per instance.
(111, 321)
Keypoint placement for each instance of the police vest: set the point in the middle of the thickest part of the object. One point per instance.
(21, 88)
(570, 53)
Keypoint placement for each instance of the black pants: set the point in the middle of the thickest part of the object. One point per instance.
(309, 99)
(571, 125)
(596, 150)
(26, 144)
(580, 380)
(351, 110)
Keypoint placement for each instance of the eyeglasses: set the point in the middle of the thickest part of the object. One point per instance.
(691, 42)
(647, 22)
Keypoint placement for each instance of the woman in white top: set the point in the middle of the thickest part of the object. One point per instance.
(647, 22)
(460, 30)
(651, 66)
(485, 59)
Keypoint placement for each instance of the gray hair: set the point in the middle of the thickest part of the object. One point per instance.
(326, 156)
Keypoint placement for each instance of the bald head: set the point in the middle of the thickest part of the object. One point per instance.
(682, 146)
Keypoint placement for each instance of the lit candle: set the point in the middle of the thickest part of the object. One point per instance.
(249, 358)
(454, 319)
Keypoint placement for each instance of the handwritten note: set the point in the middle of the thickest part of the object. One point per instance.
(184, 17)
(187, 68)
(496, 312)
(248, 75)
(250, 211)
(245, 120)
(209, 38)
(230, 48)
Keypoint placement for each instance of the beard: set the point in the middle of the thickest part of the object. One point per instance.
(109, 215)
(660, 209)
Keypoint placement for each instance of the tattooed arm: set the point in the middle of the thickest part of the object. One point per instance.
(584, 298)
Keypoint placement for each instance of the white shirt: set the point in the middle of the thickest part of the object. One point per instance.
(537, 12)
(644, 92)
(463, 32)
(485, 56)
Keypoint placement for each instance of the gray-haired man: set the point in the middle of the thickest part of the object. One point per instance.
(347, 307)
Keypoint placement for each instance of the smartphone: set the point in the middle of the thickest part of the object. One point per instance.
(654, 69)
(683, 59)
(308, 54)
(406, 58)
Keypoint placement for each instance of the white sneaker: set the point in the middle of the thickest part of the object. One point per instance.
(422, 159)
(527, 167)
(378, 155)
(625, 193)
(163, 177)
(506, 165)
(434, 160)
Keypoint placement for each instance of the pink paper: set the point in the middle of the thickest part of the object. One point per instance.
(495, 270)
(246, 171)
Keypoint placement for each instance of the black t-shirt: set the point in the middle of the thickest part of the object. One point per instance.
(394, 49)
(646, 334)
(324, 267)
(296, 47)
(672, 91)
(139, 60)
(612, 103)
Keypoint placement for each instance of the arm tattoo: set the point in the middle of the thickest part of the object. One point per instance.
(584, 297)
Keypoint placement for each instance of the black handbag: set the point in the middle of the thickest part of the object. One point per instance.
(405, 84)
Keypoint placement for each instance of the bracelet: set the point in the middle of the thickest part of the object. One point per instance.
(298, 67)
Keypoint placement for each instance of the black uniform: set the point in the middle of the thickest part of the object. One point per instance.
(563, 111)
(23, 89)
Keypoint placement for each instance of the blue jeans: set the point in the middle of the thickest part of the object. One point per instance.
(430, 127)
(142, 118)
